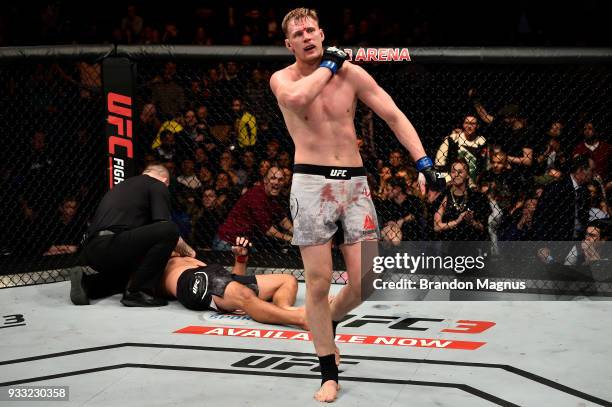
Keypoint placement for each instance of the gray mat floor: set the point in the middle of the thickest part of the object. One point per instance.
(536, 354)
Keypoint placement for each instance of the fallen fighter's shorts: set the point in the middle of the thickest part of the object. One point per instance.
(195, 287)
(325, 198)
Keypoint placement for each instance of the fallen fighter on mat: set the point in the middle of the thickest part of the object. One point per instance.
(200, 286)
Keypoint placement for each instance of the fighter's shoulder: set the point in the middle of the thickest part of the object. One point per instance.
(350, 66)
(356, 74)
(287, 74)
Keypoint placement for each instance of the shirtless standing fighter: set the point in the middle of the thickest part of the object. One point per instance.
(317, 96)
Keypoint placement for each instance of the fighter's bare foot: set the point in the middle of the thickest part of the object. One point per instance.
(301, 311)
(328, 392)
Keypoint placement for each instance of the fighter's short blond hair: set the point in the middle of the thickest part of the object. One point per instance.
(298, 14)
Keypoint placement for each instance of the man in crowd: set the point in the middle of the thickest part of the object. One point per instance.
(257, 212)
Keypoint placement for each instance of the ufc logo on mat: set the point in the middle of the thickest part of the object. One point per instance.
(282, 363)
(337, 173)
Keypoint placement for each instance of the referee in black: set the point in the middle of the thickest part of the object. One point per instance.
(129, 242)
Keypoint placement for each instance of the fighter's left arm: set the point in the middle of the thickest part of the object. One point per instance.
(370, 93)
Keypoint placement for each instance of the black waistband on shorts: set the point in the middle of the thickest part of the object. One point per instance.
(329, 171)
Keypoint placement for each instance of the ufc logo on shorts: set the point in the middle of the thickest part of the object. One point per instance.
(337, 173)
(195, 287)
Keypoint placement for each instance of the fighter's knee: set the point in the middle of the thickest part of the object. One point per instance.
(315, 282)
(290, 281)
(318, 290)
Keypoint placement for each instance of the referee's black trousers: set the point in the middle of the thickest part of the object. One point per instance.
(134, 259)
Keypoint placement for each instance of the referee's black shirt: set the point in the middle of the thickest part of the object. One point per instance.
(135, 202)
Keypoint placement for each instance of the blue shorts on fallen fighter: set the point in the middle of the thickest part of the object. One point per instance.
(326, 198)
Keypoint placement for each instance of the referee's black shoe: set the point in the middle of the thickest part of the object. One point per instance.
(78, 289)
(141, 299)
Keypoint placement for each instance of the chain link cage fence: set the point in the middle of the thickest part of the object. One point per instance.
(503, 129)
(51, 162)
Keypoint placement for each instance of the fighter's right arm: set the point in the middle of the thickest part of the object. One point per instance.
(296, 95)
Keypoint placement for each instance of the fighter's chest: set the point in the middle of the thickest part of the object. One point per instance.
(336, 99)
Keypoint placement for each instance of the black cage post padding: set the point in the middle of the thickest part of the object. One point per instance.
(119, 75)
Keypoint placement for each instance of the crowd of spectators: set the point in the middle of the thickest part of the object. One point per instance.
(391, 24)
(219, 136)
(217, 130)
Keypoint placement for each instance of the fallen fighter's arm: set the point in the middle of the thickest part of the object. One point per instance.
(179, 263)
(241, 255)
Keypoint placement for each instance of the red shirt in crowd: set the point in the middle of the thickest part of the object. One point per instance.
(254, 211)
(600, 155)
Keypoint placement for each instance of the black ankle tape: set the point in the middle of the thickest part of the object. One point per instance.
(334, 326)
(329, 369)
